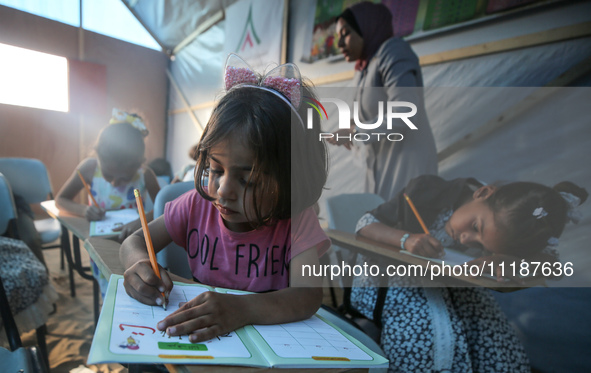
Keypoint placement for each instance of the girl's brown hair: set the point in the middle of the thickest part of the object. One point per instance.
(292, 159)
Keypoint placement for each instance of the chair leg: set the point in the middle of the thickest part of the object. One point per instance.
(95, 298)
(41, 342)
(62, 257)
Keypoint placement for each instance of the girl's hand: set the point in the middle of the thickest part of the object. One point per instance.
(500, 262)
(207, 316)
(93, 213)
(142, 284)
(127, 229)
(424, 245)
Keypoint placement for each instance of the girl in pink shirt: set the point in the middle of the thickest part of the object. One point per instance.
(249, 224)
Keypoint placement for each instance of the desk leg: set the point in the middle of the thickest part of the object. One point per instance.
(68, 252)
(78, 261)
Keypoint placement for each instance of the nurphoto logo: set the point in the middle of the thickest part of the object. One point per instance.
(388, 109)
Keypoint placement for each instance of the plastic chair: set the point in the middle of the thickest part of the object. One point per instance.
(344, 211)
(173, 257)
(35, 359)
(30, 180)
(7, 208)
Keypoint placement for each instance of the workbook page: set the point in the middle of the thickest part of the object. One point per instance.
(112, 220)
(127, 332)
(309, 338)
(134, 329)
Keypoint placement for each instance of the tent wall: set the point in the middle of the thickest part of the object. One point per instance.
(134, 78)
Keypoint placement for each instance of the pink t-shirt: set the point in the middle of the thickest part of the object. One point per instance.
(255, 261)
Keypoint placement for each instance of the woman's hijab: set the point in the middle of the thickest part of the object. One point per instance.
(375, 24)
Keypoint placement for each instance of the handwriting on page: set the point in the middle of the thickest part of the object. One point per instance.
(134, 329)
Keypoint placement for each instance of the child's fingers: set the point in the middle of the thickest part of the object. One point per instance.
(190, 311)
(138, 289)
(424, 245)
(436, 245)
(166, 280)
(187, 322)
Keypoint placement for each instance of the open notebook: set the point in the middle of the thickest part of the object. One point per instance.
(126, 333)
(113, 219)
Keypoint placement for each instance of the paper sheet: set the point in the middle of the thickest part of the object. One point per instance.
(134, 329)
(113, 219)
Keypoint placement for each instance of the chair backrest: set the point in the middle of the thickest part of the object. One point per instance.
(7, 206)
(28, 178)
(173, 256)
(344, 210)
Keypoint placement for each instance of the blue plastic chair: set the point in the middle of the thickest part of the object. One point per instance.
(30, 180)
(7, 206)
(344, 210)
(35, 358)
(173, 257)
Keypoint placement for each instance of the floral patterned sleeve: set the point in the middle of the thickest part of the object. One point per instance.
(365, 220)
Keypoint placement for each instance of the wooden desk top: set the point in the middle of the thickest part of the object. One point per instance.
(380, 251)
(105, 254)
(78, 225)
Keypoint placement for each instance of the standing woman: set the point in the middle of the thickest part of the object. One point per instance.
(386, 70)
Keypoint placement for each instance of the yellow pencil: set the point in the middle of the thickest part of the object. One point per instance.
(148, 238)
(414, 209)
(87, 188)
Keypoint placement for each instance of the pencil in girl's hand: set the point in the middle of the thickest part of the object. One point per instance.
(87, 188)
(148, 238)
(414, 209)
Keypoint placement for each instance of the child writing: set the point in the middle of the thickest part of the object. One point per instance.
(113, 174)
(459, 329)
(252, 227)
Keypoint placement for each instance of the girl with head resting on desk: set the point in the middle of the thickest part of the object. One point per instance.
(252, 227)
(113, 174)
(504, 223)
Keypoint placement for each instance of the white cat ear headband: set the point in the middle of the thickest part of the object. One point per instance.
(284, 81)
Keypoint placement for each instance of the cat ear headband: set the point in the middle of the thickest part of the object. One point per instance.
(284, 81)
(120, 116)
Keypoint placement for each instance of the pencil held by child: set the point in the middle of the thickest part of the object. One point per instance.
(87, 188)
(150, 247)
